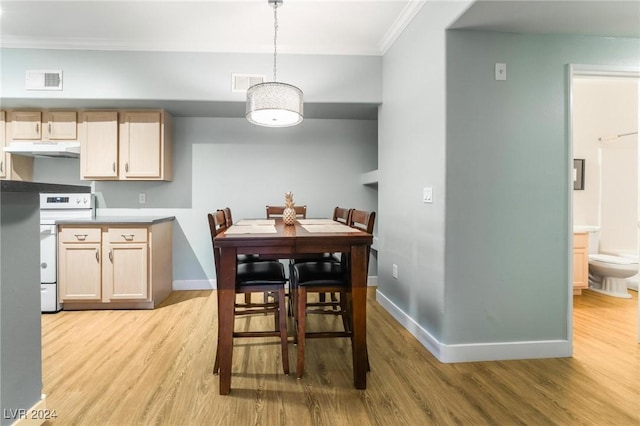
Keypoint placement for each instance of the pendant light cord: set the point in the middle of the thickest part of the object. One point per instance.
(275, 38)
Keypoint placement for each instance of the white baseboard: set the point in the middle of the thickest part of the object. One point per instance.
(194, 285)
(474, 352)
(211, 284)
(423, 336)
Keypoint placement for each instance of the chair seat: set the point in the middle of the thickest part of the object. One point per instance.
(320, 274)
(260, 273)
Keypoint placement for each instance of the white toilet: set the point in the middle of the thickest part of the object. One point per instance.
(608, 273)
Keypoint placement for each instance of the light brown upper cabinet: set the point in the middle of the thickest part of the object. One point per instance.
(126, 145)
(42, 125)
(12, 167)
(145, 145)
(99, 145)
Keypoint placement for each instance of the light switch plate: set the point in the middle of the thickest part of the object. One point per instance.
(427, 194)
(501, 71)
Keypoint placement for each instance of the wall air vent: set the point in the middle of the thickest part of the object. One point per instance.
(43, 80)
(241, 82)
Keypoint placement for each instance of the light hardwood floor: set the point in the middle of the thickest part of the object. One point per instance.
(154, 367)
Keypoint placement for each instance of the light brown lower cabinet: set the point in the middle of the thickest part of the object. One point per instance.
(580, 262)
(114, 266)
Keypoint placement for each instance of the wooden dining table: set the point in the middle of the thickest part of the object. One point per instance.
(288, 242)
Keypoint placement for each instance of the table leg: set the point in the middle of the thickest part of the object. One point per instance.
(226, 301)
(359, 313)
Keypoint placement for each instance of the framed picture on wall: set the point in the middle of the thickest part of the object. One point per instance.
(578, 173)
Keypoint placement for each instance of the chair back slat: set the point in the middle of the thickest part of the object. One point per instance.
(227, 216)
(342, 215)
(362, 220)
(274, 212)
(217, 225)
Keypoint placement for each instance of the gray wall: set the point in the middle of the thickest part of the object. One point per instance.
(411, 156)
(188, 76)
(20, 340)
(508, 190)
(485, 268)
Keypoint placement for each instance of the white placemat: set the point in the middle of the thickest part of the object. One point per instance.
(251, 229)
(316, 221)
(329, 228)
(256, 222)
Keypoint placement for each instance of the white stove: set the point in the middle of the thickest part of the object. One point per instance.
(57, 207)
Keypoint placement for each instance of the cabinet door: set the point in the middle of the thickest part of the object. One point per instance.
(580, 269)
(61, 125)
(141, 145)
(126, 275)
(99, 145)
(79, 272)
(12, 168)
(26, 125)
(580, 262)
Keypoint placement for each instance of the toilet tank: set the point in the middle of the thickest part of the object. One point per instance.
(594, 242)
(594, 236)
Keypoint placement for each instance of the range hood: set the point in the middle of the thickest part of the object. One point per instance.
(45, 149)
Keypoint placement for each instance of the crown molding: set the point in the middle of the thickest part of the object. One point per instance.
(16, 42)
(408, 13)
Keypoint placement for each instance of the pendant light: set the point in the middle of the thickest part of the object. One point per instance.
(274, 104)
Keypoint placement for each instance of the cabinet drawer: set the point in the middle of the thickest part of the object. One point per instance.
(79, 235)
(580, 240)
(127, 235)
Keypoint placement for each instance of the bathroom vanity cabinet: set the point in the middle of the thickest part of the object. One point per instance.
(580, 261)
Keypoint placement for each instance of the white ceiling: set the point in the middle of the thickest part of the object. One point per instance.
(355, 27)
(613, 18)
(305, 26)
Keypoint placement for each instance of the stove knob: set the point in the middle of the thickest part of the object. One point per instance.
(77, 200)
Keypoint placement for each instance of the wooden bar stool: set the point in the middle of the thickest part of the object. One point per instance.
(251, 277)
(325, 277)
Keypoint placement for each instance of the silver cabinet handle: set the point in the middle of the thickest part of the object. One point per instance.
(128, 237)
(81, 237)
(37, 127)
(111, 255)
(113, 166)
(49, 127)
(1, 166)
(97, 255)
(126, 167)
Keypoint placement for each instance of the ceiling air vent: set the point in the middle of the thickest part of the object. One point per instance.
(241, 82)
(43, 80)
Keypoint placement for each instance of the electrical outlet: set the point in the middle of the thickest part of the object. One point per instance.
(395, 271)
(142, 198)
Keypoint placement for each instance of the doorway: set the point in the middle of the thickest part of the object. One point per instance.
(596, 149)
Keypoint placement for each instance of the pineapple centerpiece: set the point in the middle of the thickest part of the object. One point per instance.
(289, 213)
